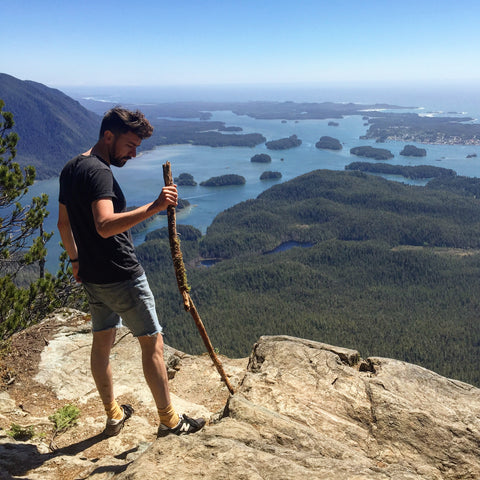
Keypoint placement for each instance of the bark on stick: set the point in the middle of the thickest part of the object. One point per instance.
(181, 276)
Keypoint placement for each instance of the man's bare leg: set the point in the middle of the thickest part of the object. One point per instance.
(154, 369)
(100, 363)
(156, 376)
(102, 374)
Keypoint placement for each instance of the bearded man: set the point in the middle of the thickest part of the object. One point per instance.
(94, 226)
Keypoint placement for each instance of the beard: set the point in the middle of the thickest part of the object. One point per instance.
(115, 160)
(118, 161)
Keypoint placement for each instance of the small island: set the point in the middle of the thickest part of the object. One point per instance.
(284, 143)
(371, 152)
(224, 181)
(329, 143)
(270, 175)
(185, 180)
(230, 129)
(333, 124)
(261, 158)
(139, 227)
(472, 155)
(413, 151)
(186, 232)
(180, 206)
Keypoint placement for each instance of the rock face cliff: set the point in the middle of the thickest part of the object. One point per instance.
(301, 409)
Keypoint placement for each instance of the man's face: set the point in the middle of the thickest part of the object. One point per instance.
(123, 148)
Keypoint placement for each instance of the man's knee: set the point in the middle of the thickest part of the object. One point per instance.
(103, 341)
(151, 344)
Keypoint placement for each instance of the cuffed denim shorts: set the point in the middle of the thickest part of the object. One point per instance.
(129, 303)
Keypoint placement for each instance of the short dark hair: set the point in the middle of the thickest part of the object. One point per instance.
(120, 120)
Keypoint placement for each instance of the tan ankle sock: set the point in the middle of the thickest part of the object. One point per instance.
(113, 410)
(168, 416)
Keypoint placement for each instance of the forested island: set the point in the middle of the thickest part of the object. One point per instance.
(185, 179)
(266, 110)
(328, 143)
(413, 172)
(224, 180)
(372, 152)
(261, 158)
(268, 175)
(284, 143)
(230, 129)
(413, 151)
(303, 110)
(143, 225)
(186, 232)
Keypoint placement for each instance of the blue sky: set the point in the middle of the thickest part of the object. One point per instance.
(207, 42)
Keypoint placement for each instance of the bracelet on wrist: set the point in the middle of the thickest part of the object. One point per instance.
(73, 260)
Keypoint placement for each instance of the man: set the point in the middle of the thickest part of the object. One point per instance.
(94, 227)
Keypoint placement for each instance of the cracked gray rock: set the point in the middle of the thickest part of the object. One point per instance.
(309, 410)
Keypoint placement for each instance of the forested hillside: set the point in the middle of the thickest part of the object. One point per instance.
(388, 269)
(52, 126)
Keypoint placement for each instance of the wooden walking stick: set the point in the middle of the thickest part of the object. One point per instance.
(181, 276)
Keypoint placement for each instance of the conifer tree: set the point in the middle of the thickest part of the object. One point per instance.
(23, 243)
(18, 223)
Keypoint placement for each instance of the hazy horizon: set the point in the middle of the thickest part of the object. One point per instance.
(214, 44)
(442, 98)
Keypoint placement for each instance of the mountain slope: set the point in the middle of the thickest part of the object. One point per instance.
(389, 269)
(52, 126)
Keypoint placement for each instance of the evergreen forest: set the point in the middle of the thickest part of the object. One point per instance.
(344, 258)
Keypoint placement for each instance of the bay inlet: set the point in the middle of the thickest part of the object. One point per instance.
(142, 178)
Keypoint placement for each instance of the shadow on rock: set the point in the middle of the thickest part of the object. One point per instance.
(19, 458)
(78, 447)
(112, 469)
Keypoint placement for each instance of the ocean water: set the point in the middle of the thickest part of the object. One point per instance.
(142, 177)
(446, 97)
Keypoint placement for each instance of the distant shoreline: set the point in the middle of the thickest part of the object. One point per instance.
(386, 122)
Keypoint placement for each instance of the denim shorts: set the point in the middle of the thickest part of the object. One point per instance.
(128, 303)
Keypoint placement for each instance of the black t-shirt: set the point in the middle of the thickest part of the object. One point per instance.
(83, 180)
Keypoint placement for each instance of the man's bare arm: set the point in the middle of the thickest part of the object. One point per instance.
(109, 223)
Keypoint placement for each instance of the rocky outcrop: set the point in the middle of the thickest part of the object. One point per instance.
(301, 409)
(308, 410)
